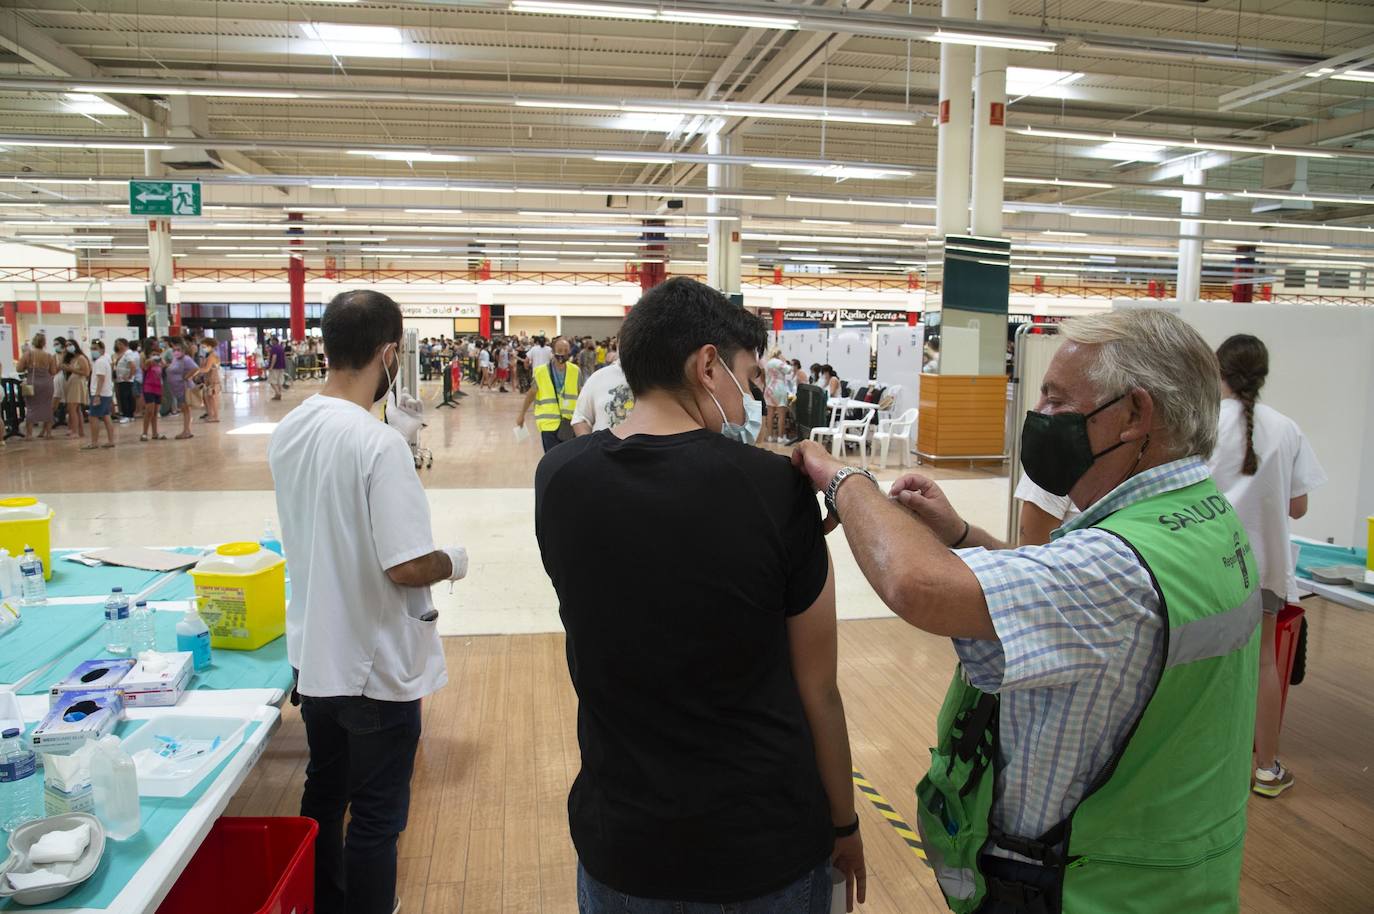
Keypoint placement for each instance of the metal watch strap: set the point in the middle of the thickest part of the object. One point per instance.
(840, 476)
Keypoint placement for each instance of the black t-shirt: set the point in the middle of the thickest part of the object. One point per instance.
(699, 780)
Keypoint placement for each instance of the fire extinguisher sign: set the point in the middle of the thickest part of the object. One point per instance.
(997, 114)
(944, 111)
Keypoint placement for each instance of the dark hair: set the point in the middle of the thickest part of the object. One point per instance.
(356, 324)
(1244, 361)
(675, 319)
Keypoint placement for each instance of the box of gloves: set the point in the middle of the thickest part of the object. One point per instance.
(157, 680)
(102, 674)
(76, 718)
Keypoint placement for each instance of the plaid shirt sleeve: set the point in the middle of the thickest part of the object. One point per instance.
(1064, 612)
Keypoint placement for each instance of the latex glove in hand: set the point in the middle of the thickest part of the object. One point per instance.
(923, 498)
(458, 555)
(404, 416)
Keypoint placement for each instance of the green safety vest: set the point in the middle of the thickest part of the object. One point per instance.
(550, 404)
(1162, 828)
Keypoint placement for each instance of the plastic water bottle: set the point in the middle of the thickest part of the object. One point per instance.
(114, 781)
(142, 628)
(21, 794)
(193, 637)
(117, 622)
(35, 589)
(270, 540)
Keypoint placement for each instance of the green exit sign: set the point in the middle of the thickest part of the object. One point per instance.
(164, 198)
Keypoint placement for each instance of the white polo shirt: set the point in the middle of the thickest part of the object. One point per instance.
(1288, 468)
(351, 506)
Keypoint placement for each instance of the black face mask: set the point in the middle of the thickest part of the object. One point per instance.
(1055, 452)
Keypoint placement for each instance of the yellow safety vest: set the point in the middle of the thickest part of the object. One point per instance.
(547, 411)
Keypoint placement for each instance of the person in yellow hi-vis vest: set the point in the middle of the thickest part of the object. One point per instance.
(554, 395)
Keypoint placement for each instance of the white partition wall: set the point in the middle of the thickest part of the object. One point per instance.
(810, 347)
(1321, 375)
(849, 353)
(899, 362)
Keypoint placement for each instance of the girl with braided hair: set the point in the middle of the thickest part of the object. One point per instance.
(1265, 466)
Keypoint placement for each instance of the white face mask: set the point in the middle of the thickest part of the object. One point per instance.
(747, 433)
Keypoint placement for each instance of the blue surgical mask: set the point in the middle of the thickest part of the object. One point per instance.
(747, 433)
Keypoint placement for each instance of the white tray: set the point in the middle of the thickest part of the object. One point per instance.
(230, 730)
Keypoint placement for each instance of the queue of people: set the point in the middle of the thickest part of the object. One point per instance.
(100, 389)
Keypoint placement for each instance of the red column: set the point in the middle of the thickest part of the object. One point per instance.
(777, 276)
(295, 276)
(484, 322)
(777, 320)
(913, 318)
(1244, 269)
(651, 274)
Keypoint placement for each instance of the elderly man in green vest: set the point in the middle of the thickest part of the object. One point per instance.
(1094, 745)
(554, 396)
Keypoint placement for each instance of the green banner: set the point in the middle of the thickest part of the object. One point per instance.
(164, 198)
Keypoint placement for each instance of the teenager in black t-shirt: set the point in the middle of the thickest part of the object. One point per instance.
(701, 635)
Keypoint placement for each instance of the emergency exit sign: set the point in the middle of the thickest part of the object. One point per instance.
(164, 198)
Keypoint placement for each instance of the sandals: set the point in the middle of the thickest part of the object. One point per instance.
(159, 437)
(106, 447)
(88, 447)
(142, 437)
(184, 435)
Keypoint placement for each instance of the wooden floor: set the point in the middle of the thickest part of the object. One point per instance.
(488, 826)
(488, 818)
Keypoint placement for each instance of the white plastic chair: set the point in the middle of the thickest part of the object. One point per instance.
(899, 429)
(831, 431)
(855, 431)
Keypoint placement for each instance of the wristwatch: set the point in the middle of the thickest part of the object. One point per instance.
(840, 476)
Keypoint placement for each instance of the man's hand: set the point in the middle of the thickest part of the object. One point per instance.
(922, 497)
(848, 858)
(818, 465)
(520, 423)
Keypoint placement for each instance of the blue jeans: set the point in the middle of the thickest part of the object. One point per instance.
(362, 752)
(808, 895)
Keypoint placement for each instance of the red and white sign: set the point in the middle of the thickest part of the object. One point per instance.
(997, 114)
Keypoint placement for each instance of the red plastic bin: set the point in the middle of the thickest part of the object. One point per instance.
(249, 866)
(1286, 629)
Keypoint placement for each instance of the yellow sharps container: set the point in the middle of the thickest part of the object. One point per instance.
(27, 522)
(241, 595)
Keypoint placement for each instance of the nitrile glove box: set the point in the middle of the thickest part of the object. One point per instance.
(149, 686)
(77, 717)
(102, 674)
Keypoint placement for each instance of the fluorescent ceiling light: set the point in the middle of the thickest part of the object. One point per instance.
(1062, 182)
(637, 159)
(352, 34)
(1356, 76)
(744, 21)
(918, 227)
(1274, 244)
(993, 41)
(1064, 233)
(1315, 198)
(840, 172)
(1039, 83)
(408, 155)
(209, 91)
(826, 222)
(86, 103)
(851, 201)
(435, 212)
(314, 209)
(78, 144)
(1155, 143)
(6, 203)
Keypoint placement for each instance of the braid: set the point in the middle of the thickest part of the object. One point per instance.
(1250, 464)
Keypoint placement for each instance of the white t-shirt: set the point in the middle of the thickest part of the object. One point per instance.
(540, 355)
(102, 377)
(126, 368)
(1060, 506)
(605, 400)
(484, 358)
(351, 507)
(1288, 468)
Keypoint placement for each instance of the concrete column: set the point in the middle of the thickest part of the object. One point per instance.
(1190, 248)
(723, 261)
(159, 316)
(953, 116)
(989, 127)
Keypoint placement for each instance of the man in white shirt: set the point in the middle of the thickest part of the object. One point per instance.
(102, 397)
(541, 354)
(125, 372)
(360, 627)
(605, 401)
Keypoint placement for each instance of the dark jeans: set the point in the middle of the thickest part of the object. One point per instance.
(549, 440)
(124, 394)
(362, 752)
(808, 895)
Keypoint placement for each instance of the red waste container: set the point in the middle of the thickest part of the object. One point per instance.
(1286, 644)
(249, 866)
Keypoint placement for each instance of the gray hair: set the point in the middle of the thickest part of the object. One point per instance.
(1163, 355)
